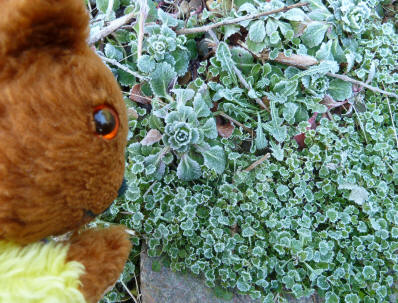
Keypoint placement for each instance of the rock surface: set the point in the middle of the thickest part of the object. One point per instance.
(165, 286)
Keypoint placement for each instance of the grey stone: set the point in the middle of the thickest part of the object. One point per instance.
(167, 286)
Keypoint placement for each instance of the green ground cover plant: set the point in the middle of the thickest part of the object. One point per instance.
(263, 153)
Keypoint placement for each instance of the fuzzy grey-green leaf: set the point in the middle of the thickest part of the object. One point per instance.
(188, 169)
(314, 33)
(161, 78)
(340, 90)
(223, 55)
(215, 158)
(257, 31)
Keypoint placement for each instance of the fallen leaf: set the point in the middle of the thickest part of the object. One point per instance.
(301, 137)
(152, 137)
(137, 96)
(132, 113)
(331, 103)
(224, 128)
(295, 60)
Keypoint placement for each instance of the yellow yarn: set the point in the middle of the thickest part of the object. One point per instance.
(38, 273)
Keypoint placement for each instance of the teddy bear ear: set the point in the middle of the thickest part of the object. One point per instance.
(37, 24)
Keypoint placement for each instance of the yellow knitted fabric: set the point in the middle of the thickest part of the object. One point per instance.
(38, 273)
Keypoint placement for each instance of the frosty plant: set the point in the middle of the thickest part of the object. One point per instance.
(187, 134)
(354, 16)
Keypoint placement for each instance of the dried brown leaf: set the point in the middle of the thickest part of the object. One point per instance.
(151, 137)
(330, 103)
(224, 128)
(132, 113)
(301, 137)
(295, 60)
(137, 96)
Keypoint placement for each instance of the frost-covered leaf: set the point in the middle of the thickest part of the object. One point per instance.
(200, 106)
(248, 232)
(113, 52)
(181, 58)
(369, 273)
(242, 285)
(146, 64)
(214, 158)
(223, 55)
(257, 31)
(230, 29)
(188, 169)
(261, 140)
(325, 51)
(103, 5)
(167, 18)
(331, 297)
(210, 128)
(314, 33)
(278, 132)
(183, 95)
(289, 112)
(295, 14)
(340, 90)
(286, 88)
(161, 78)
(358, 194)
(350, 57)
(243, 59)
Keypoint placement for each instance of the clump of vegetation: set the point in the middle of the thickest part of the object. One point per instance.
(263, 153)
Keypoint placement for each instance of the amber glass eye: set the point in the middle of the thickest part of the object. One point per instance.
(106, 121)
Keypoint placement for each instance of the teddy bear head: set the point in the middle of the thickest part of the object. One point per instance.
(63, 122)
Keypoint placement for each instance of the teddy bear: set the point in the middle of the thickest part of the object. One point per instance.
(63, 131)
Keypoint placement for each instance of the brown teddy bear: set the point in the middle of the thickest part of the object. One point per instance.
(63, 128)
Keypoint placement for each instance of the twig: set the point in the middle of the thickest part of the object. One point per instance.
(143, 15)
(258, 162)
(224, 115)
(128, 291)
(138, 288)
(149, 189)
(308, 61)
(206, 28)
(113, 26)
(360, 83)
(392, 121)
(122, 67)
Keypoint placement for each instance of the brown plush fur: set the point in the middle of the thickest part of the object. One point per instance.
(94, 249)
(52, 164)
(54, 168)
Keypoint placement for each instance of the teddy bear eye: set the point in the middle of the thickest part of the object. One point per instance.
(106, 121)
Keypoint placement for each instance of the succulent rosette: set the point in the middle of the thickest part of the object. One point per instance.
(181, 131)
(354, 17)
(159, 45)
(315, 85)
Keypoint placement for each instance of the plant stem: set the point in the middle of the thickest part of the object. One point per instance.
(392, 121)
(113, 26)
(122, 67)
(372, 88)
(222, 114)
(143, 15)
(206, 28)
(258, 162)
